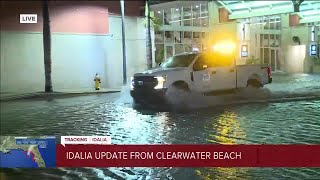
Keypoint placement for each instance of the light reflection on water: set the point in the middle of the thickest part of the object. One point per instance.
(228, 130)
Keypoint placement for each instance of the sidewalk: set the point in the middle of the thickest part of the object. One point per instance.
(8, 96)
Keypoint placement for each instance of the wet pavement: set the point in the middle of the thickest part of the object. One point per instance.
(284, 112)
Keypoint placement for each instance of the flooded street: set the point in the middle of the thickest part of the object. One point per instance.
(284, 112)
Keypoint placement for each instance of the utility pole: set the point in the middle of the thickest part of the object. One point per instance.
(47, 46)
(124, 61)
(148, 36)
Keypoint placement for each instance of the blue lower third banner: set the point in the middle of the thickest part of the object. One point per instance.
(27, 152)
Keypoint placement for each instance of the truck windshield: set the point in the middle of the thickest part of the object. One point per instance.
(179, 61)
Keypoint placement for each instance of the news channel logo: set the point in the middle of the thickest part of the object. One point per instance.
(28, 18)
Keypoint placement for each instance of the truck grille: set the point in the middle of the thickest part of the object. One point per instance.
(145, 82)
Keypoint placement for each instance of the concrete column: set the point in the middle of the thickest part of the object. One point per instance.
(213, 13)
(223, 15)
(285, 41)
(294, 19)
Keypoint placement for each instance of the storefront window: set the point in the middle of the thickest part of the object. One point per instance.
(168, 36)
(204, 15)
(204, 8)
(188, 48)
(277, 23)
(179, 48)
(159, 53)
(272, 40)
(178, 36)
(169, 51)
(196, 35)
(187, 16)
(261, 54)
(159, 37)
(277, 40)
(204, 47)
(204, 35)
(266, 40)
(196, 15)
(204, 21)
(167, 16)
(196, 46)
(159, 15)
(266, 56)
(266, 23)
(272, 24)
(187, 37)
(176, 19)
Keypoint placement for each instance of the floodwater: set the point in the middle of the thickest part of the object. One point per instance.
(284, 112)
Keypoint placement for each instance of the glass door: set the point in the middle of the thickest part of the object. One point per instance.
(274, 59)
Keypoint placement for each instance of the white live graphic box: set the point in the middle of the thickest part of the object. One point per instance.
(85, 140)
(28, 18)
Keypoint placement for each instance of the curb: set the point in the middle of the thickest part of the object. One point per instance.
(53, 94)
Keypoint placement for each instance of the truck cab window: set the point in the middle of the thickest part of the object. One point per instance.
(201, 63)
(183, 60)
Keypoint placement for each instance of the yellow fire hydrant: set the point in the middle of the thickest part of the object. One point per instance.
(97, 81)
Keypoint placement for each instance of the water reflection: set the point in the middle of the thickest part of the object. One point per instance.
(130, 126)
(227, 130)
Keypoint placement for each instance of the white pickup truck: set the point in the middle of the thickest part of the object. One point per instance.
(200, 72)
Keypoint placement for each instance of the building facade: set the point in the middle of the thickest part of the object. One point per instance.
(184, 27)
(266, 28)
(86, 39)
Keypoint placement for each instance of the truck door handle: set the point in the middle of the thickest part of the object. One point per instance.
(214, 72)
(231, 70)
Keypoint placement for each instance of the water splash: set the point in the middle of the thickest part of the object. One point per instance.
(125, 96)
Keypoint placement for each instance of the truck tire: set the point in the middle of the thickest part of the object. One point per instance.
(181, 86)
(137, 101)
(253, 83)
(177, 94)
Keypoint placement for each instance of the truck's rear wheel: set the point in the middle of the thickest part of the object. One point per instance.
(254, 83)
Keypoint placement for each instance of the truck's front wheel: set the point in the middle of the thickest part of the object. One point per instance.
(181, 86)
(178, 93)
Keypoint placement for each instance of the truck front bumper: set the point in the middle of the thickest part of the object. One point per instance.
(142, 95)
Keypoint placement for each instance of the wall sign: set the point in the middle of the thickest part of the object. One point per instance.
(244, 51)
(313, 50)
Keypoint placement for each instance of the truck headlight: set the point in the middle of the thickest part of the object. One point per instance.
(132, 83)
(161, 80)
